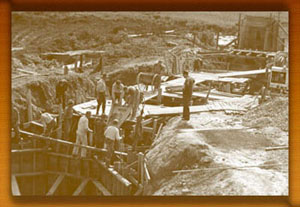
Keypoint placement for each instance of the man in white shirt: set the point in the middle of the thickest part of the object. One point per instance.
(81, 134)
(112, 135)
(100, 94)
(117, 92)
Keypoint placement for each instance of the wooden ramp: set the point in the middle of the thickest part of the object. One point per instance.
(118, 112)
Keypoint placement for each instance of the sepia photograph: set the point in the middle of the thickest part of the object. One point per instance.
(149, 103)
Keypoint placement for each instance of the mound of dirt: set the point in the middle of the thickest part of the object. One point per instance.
(175, 151)
(220, 157)
(273, 113)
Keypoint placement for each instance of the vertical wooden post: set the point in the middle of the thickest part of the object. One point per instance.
(75, 65)
(34, 166)
(130, 157)
(117, 166)
(154, 128)
(217, 41)
(66, 70)
(59, 131)
(159, 95)
(141, 167)
(239, 32)
(194, 41)
(81, 63)
(29, 105)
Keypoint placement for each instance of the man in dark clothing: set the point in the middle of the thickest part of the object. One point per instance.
(61, 88)
(187, 95)
(68, 115)
(99, 129)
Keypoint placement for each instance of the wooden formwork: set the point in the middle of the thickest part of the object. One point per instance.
(44, 171)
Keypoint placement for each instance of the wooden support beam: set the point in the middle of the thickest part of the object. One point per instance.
(28, 174)
(154, 128)
(55, 185)
(81, 187)
(60, 117)
(212, 129)
(101, 188)
(29, 106)
(147, 174)
(28, 150)
(14, 186)
(226, 168)
(140, 190)
(148, 129)
(147, 121)
(141, 167)
(277, 148)
(133, 180)
(36, 136)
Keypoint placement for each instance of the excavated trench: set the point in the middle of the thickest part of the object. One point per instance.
(81, 89)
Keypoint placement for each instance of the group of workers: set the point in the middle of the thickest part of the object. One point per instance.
(131, 95)
(103, 136)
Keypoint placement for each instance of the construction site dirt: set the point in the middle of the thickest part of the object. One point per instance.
(234, 140)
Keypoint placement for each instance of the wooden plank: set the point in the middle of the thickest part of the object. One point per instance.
(277, 148)
(28, 150)
(28, 174)
(225, 168)
(148, 129)
(34, 167)
(147, 121)
(14, 186)
(147, 172)
(212, 129)
(36, 136)
(101, 188)
(55, 185)
(243, 73)
(29, 106)
(154, 128)
(141, 167)
(81, 187)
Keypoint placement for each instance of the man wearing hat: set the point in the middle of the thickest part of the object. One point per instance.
(117, 92)
(112, 137)
(187, 95)
(100, 94)
(68, 115)
(81, 134)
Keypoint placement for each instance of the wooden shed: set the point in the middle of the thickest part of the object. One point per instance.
(262, 33)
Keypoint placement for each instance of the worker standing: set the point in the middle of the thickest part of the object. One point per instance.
(99, 129)
(187, 95)
(61, 89)
(112, 139)
(81, 134)
(117, 92)
(134, 100)
(48, 122)
(100, 94)
(68, 115)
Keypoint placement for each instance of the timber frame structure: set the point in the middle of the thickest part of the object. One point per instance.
(45, 166)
